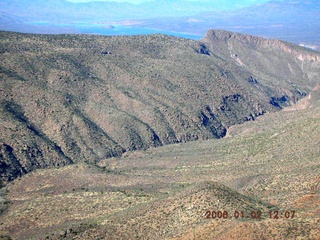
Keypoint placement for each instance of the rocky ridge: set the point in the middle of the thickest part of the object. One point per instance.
(81, 98)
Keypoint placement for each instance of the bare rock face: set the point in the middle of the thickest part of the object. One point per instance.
(81, 98)
(289, 67)
(259, 44)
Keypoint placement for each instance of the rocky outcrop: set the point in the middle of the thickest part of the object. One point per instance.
(300, 53)
(292, 68)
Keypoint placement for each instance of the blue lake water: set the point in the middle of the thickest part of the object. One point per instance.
(107, 30)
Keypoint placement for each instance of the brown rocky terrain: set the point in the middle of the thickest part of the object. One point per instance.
(271, 164)
(79, 98)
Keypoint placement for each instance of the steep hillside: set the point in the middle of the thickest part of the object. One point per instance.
(79, 98)
(271, 164)
(272, 63)
(310, 101)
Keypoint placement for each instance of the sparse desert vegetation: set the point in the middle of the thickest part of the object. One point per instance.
(80, 98)
(144, 137)
(163, 193)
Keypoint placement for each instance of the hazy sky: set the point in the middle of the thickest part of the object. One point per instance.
(130, 1)
(141, 1)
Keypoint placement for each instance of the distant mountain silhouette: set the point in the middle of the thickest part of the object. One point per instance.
(294, 21)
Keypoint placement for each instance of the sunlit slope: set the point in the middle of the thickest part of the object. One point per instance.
(164, 193)
(80, 98)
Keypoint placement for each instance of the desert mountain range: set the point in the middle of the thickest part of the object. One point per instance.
(139, 137)
(80, 98)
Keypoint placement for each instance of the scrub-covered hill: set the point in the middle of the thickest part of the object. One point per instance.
(260, 182)
(79, 98)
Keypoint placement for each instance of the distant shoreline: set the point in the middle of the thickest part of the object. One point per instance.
(98, 29)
